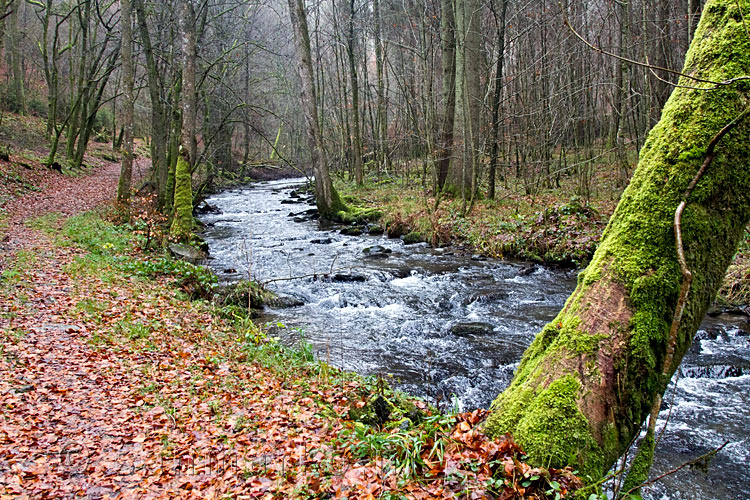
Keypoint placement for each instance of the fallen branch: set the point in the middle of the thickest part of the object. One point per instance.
(696, 461)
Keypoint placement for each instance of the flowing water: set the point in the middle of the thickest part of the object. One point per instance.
(451, 328)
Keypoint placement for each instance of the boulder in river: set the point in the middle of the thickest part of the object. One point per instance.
(322, 241)
(283, 302)
(471, 329)
(205, 208)
(248, 293)
(348, 278)
(485, 297)
(413, 237)
(351, 231)
(377, 252)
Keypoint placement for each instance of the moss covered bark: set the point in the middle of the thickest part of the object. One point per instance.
(182, 222)
(588, 380)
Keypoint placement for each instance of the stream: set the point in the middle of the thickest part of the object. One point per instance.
(451, 328)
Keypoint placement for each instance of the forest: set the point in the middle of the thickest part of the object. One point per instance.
(374, 249)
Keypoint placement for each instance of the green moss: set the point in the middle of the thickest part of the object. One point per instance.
(182, 222)
(639, 469)
(413, 237)
(553, 430)
(358, 215)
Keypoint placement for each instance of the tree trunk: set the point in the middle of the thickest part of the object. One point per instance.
(357, 138)
(590, 378)
(496, 97)
(14, 59)
(693, 13)
(382, 118)
(325, 195)
(448, 62)
(182, 223)
(472, 92)
(158, 146)
(128, 77)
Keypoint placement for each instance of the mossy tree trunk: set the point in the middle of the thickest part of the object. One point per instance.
(589, 380)
(327, 199)
(182, 223)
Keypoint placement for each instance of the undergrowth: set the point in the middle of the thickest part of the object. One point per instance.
(412, 446)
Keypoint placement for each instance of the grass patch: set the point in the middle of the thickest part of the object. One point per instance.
(546, 228)
(22, 263)
(49, 223)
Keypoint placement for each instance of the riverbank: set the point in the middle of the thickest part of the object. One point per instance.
(117, 381)
(550, 227)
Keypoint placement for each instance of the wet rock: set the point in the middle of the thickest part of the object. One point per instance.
(412, 238)
(300, 219)
(205, 208)
(526, 271)
(471, 329)
(322, 241)
(291, 202)
(351, 231)
(479, 258)
(375, 229)
(401, 273)
(186, 253)
(284, 302)
(348, 278)
(377, 252)
(380, 409)
(200, 244)
(230, 270)
(485, 297)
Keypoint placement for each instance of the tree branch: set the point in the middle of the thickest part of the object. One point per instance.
(651, 66)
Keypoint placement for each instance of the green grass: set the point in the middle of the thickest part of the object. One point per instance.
(48, 223)
(22, 262)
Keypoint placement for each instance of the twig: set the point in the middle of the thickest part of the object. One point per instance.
(687, 275)
(694, 461)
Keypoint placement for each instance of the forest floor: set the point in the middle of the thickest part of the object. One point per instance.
(553, 225)
(116, 383)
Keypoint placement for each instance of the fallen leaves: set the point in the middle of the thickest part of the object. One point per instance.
(114, 387)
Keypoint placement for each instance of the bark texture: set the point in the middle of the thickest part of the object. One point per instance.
(328, 201)
(588, 381)
(128, 76)
(448, 63)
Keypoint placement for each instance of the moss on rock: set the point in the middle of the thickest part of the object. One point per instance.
(413, 237)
